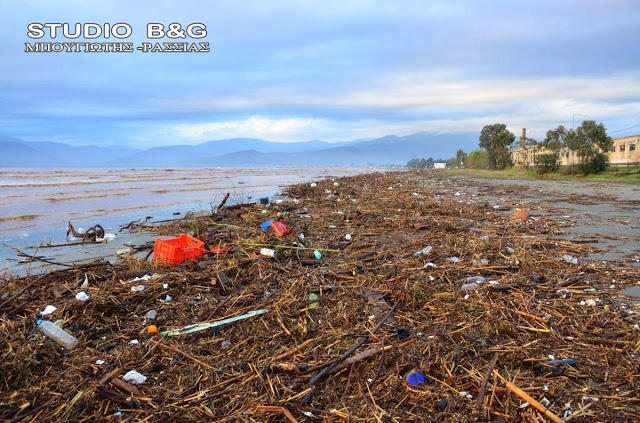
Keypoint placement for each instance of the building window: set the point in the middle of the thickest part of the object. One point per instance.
(621, 147)
(613, 149)
(632, 147)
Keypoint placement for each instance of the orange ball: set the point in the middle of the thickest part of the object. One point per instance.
(152, 329)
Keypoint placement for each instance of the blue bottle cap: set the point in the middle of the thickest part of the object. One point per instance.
(442, 404)
(415, 378)
(39, 321)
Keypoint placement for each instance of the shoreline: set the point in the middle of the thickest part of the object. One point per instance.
(37, 228)
(606, 212)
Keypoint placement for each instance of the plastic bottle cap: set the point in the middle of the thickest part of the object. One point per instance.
(39, 321)
(415, 378)
(152, 329)
(442, 404)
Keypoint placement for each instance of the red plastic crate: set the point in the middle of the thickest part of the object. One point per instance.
(280, 229)
(177, 250)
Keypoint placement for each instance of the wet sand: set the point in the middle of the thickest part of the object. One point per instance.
(603, 215)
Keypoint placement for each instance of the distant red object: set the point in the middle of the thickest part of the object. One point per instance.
(218, 250)
(177, 250)
(521, 214)
(280, 229)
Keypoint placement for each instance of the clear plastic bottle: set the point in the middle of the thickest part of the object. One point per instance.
(424, 251)
(56, 333)
(476, 279)
(151, 315)
(469, 287)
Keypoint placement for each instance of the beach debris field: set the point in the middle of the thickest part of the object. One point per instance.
(388, 300)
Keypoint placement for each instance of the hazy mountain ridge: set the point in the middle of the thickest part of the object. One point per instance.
(15, 152)
(238, 152)
(81, 155)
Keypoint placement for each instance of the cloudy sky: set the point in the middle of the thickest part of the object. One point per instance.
(331, 70)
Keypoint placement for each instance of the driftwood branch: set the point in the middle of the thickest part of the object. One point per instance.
(36, 258)
(483, 387)
(223, 202)
(90, 234)
(321, 374)
(535, 404)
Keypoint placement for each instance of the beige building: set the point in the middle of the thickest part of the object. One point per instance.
(625, 151)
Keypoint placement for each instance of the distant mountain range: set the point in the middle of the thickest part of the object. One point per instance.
(15, 152)
(238, 152)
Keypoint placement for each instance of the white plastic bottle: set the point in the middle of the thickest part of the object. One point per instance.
(58, 334)
(268, 252)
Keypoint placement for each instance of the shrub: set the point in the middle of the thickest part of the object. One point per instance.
(597, 164)
(478, 159)
(548, 163)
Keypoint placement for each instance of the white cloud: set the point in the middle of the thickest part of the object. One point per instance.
(436, 91)
(255, 126)
(442, 101)
(415, 90)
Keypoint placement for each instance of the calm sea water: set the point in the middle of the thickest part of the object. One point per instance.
(35, 204)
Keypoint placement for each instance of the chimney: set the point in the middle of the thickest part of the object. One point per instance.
(524, 137)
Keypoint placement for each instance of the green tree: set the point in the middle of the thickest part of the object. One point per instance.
(413, 163)
(478, 159)
(587, 138)
(497, 140)
(548, 163)
(557, 138)
(430, 162)
(461, 156)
